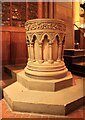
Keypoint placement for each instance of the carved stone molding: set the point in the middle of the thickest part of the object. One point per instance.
(44, 24)
(43, 27)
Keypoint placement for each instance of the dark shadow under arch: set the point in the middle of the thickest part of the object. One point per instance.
(34, 38)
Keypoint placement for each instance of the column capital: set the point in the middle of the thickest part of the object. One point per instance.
(31, 43)
(40, 43)
(50, 42)
(27, 42)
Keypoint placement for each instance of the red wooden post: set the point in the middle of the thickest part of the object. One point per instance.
(40, 6)
(27, 13)
(10, 13)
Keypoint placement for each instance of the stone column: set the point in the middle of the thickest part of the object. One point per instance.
(41, 53)
(50, 59)
(28, 47)
(32, 51)
(59, 51)
(63, 49)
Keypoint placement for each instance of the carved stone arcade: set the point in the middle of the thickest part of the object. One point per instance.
(45, 40)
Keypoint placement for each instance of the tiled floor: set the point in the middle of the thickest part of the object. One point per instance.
(6, 112)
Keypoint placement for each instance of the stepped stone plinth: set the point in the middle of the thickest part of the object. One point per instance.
(45, 85)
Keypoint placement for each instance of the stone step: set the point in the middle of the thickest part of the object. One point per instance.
(17, 73)
(55, 103)
(43, 84)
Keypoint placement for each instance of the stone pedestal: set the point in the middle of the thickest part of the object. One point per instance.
(45, 85)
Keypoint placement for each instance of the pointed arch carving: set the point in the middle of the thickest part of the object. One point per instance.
(43, 36)
(46, 38)
(54, 37)
(34, 37)
(45, 43)
(27, 39)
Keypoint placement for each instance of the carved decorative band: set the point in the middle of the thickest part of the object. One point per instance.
(45, 24)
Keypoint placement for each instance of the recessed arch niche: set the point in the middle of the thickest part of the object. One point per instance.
(55, 48)
(45, 47)
(33, 46)
(36, 47)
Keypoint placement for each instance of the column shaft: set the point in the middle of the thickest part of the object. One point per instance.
(63, 48)
(32, 52)
(50, 54)
(41, 53)
(29, 57)
(62, 53)
(59, 51)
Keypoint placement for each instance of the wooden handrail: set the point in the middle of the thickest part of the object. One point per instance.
(79, 28)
